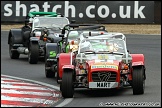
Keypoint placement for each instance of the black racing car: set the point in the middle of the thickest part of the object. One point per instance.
(31, 39)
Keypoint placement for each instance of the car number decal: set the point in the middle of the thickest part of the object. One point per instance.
(52, 54)
(103, 84)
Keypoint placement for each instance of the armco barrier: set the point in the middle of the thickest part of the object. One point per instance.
(119, 12)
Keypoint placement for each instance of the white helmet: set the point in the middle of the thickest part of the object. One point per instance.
(85, 46)
(73, 34)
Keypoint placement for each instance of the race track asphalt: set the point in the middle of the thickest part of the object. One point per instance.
(149, 45)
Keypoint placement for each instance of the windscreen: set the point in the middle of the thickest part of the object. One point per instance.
(103, 45)
(58, 22)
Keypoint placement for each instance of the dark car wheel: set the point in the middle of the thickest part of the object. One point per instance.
(57, 76)
(48, 72)
(33, 55)
(138, 81)
(67, 86)
(13, 54)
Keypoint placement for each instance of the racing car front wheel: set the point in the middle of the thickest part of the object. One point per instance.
(48, 72)
(13, 54)
(138, 80)
(33, 53)
(57, 72)
(67, 86)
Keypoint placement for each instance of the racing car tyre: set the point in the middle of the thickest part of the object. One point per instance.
(48, 72)
(13, 54)
(57, 77)
(67, 86)
(33, 55)
(61, 87)
(138, 82)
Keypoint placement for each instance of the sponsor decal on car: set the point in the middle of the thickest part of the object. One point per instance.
(52, 54)
(104, 66)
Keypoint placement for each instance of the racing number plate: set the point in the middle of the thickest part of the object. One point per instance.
(102, 57)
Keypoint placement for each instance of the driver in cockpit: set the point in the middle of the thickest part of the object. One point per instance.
(113, 47)
(85, 46)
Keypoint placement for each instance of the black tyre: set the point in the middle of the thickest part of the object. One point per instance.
(61, 86)
(138, 82)
(67, 86)
(13, 54)
(48, 72)
(57, 76)
(33, 55)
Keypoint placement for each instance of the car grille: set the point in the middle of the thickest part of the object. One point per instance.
(103, 76)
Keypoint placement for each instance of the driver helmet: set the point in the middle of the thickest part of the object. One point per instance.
(73, 34)
(113, 47)
(85, 46)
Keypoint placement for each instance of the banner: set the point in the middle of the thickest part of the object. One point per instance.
(83, 11)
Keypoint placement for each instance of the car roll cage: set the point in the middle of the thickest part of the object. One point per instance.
(127, 57)
(48, 14)
(80, 27)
